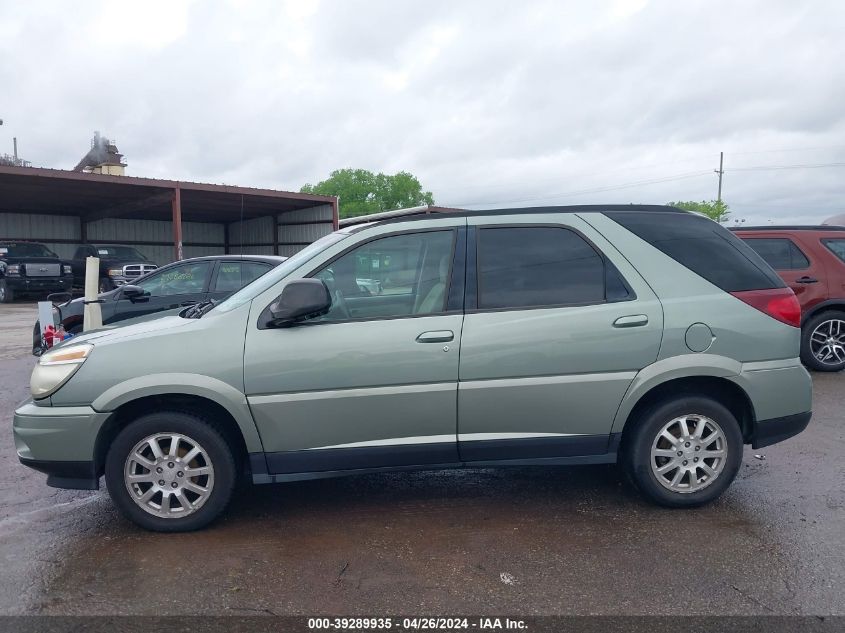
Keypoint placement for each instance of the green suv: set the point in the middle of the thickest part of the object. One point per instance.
(647, 336)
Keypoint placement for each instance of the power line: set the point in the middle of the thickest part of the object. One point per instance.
(779, 167)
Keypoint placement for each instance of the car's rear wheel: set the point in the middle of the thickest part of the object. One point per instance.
(683, 452)
(170, 471)
(7, 295)
(823, 342)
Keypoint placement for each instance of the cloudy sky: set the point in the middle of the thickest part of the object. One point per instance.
(488, 103)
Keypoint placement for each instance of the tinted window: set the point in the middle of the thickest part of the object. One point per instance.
(177, 280)
(25, 249)
(703, 246)
(118, 252)
(779, 253)
(836, 246)
(537, 266)
(233, 276)
(400, 275)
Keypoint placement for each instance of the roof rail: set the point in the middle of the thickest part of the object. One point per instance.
(397, 213)
(789, 227)
(400, 214)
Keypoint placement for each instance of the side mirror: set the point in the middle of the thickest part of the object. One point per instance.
(60, 298)
(132, 292)
(301, 299)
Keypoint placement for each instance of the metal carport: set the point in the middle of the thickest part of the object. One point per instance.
(165, 219)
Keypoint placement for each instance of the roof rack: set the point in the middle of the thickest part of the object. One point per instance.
(789, 227)
(402, 214)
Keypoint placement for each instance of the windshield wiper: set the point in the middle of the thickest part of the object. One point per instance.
(198, 309)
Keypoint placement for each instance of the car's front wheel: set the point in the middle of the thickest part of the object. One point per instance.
(823, 342)
(683, 452)
(170, 471)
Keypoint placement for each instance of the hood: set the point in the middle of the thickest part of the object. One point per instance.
(116, 261)
(133, 327)
(30, 260)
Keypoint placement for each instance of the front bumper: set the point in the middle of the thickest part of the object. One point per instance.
(24, 285)
(59, 441)
(768, 432)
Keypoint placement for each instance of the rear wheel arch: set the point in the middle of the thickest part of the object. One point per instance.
(835, 305)
(720, 389)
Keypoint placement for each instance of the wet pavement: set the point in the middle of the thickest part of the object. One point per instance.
(526, 541)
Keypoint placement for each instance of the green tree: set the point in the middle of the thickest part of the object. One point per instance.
(362, 192)
(714, 209)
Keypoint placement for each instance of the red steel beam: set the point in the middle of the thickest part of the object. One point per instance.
(177, 224)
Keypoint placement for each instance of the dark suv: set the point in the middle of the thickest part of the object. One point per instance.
(30, 268)
(119, 265)
(811, 259)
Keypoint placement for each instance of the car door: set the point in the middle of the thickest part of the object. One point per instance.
(557, 325)
(167, 288)
(232, 275)
(796, 266)
(373, 383)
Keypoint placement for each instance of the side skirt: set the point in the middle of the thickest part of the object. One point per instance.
(261, 476)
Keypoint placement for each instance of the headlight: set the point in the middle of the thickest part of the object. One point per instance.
(115, 272)
(55, 367)
(13, 269)
(67, 269)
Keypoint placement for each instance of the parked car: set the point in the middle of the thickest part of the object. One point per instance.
(811, 260)
(564, 335)
(119, 265)
(30, 268)
(176, 285)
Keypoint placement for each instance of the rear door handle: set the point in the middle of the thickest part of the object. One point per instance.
(633, 320)
(806, 280)
(436, 336)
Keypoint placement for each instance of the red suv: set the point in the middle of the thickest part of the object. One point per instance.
(811, 259)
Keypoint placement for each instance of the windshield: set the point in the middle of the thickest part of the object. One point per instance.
(24, 249)
(119, 252)
(250, 291)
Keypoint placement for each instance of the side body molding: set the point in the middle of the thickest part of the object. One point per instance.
(662, 371)
(213, 389)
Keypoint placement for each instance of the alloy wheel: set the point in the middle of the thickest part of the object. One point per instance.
(169, 475)
(689, 453)
(827, 342)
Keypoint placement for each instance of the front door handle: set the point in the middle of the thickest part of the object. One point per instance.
(806, 280)
(633, 320)
(436, 336)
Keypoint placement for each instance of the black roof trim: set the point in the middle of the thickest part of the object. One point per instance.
(785, 227)
(581, 208)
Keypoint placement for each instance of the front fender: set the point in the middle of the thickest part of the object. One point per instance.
(662, 371)
(185, 384)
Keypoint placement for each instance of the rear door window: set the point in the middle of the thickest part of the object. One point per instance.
(521, 267)
(703, 246)
(779, 252)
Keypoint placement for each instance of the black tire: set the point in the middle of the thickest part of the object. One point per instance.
(196, 429)
(637, 446)
(105, 285)
(807, 357)
(7, 295)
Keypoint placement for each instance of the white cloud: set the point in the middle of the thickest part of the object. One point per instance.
(487, 102)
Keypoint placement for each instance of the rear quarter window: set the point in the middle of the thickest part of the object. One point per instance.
(836, 246)
(704, 247)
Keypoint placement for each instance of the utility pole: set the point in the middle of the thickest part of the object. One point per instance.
(720, 171)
